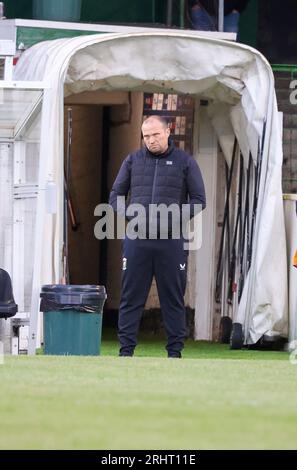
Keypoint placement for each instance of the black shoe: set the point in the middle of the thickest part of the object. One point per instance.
(125, 354)
(175, 356)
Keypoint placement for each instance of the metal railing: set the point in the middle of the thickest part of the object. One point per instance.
(284, 68)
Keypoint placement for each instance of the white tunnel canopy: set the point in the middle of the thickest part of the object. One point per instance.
(238, 82)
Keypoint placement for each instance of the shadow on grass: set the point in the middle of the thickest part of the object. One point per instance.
(151, 345)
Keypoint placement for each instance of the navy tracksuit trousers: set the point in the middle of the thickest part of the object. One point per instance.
(167, 261)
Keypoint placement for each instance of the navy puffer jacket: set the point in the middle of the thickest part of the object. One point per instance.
(172, 177)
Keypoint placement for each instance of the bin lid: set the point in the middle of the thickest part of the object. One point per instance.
(57, 296)
(69, 289)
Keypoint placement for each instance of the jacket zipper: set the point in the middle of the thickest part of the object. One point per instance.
(154, 180)
(154, 186)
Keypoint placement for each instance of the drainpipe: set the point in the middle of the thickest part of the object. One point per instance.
(169, 13)
(221, 15)
(182, 13)
(2, 9)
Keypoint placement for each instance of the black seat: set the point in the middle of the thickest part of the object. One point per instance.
(8, 307)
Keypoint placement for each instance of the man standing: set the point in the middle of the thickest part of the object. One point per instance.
(159, 173)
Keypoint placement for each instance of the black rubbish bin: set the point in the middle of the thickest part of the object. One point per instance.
(8, 307)
(72, 319)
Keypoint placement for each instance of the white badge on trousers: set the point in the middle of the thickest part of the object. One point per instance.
(182, 267)
(124, 264)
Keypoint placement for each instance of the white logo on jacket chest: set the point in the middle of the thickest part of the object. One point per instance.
(182, 267)
(169, 162)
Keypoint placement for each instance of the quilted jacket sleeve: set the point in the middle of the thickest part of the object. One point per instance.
(121, 187)
(195, 187)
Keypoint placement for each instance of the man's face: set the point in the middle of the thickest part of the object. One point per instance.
(155, 136)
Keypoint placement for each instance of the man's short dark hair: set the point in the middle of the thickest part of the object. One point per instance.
(161, 119)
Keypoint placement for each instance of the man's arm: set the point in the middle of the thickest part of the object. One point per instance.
(195, 186)
(121, 185)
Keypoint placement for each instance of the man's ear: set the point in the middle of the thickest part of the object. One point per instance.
(168, 132)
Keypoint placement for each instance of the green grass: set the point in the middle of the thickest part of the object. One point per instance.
(154, 346)
(213, 398)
